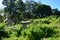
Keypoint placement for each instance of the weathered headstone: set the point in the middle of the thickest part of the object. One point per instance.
(25, 23)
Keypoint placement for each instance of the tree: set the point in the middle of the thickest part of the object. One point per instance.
(42, 10)
(15, 8)
(30, 6)
(35, 10)
(56, 12)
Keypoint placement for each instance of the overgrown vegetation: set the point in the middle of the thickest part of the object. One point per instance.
(45, 23)
(39, 29)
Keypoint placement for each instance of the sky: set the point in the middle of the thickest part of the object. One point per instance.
(52, 3)
(1, 5)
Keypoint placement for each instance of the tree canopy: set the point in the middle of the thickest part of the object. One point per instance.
(18, 10)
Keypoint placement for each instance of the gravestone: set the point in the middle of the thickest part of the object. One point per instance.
(25, 23)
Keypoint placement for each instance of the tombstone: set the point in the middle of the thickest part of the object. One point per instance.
(25, 23)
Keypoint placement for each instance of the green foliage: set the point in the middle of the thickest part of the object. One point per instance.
(12, 38)
(2, 25)
(56, 12)
(18, 10)
(1, 18)
(44, 27)
(3, 33)
(46, 10)
(40, 28)
(14, 8)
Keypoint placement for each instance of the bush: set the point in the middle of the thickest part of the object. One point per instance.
(37, 30)
(3, 33)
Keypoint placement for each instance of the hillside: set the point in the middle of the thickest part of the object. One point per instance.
(29, 20)
(43, 28)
